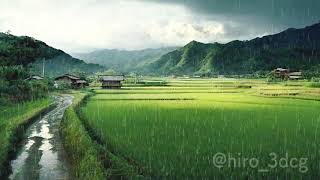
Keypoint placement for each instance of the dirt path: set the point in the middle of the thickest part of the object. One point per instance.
(41, 155)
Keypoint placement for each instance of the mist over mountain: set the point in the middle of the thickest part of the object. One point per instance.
(31, 53)
(123, 60)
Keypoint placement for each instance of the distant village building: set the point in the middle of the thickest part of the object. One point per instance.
(281, 73)
(35, 77)
(70, 80)
(67, 79)
(111, 82)
(286, 74)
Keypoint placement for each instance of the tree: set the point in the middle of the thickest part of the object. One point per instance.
(110, 72)
(79, 73)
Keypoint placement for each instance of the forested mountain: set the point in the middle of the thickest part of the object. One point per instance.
(29, 52)
(296, 49)
(122, 60)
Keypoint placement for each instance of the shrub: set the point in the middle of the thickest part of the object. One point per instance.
(315, 83)
(15, 88)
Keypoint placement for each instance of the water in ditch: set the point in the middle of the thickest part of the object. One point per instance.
(41, 154)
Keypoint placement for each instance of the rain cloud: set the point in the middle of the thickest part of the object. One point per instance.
(83, 25)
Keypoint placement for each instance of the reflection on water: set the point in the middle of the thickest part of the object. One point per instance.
(42, 154)
(19, 162)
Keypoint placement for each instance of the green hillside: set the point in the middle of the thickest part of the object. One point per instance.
(29, 52)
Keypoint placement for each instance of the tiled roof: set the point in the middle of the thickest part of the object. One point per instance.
(69, 76)
(81, 81)
(281, 69)
(112, 78)
(295, 74)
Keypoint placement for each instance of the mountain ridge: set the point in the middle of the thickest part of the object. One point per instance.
(30, 52)
(297, 49)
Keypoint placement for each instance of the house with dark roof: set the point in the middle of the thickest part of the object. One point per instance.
(111, 82)
(281, 73)
(71, 80)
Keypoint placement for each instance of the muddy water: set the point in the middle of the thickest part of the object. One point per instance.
(42, 155)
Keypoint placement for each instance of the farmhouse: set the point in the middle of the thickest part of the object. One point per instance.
(281, 73)
(111, 82)
(71, 80)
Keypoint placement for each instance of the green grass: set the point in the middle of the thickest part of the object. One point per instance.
(175, 134)
(314, 85)
(83, 151)
(13, 116)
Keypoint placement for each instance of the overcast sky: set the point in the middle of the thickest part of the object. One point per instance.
(84, 25)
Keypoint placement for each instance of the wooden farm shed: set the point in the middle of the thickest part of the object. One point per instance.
(281, 73)
(111, 82)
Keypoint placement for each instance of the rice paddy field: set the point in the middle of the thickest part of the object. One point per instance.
(212, 128)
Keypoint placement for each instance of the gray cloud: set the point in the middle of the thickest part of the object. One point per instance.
(278, 12)
(82, 25)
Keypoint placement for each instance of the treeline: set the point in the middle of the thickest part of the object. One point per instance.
(15, 86)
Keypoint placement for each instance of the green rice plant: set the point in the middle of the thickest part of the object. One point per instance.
(177, 135)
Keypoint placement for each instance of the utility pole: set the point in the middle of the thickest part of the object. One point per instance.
(43, 67)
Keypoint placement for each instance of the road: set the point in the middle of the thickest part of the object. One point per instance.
(41, 155)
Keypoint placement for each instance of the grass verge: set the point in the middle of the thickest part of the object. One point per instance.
(82, 150)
